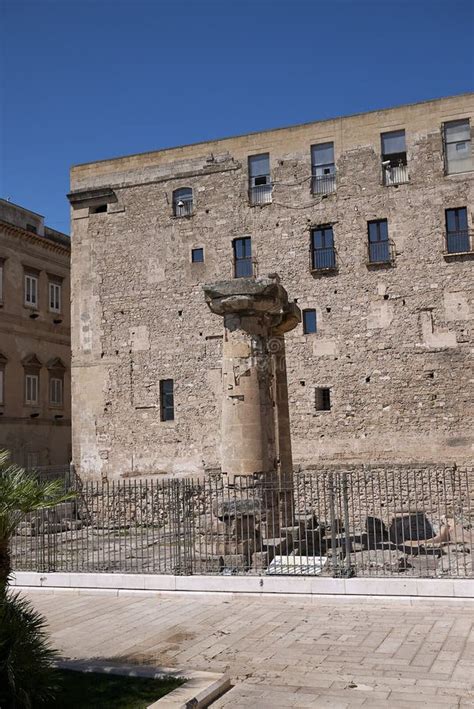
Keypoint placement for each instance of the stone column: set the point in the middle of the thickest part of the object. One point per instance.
(255, 420)
(255, 432)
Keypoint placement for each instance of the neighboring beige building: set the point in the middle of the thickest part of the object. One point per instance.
(367, 219)
(35, 410)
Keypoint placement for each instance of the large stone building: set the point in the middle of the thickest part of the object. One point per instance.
(368, 221)
(35, 411)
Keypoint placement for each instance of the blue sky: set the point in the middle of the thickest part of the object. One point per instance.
(83, 80)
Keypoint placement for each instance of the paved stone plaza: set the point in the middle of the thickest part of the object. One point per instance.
(282, 652)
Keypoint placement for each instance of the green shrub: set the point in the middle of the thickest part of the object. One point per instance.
(27, 676)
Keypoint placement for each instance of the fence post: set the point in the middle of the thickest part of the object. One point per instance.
(348, 571)
(332, 521)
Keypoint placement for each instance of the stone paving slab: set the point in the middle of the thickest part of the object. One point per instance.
(282, 652)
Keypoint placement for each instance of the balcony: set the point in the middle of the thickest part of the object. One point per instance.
(458, 242)
(324, 259)
(381, 253)
(260, 194)
(395, 175)
(323, 184)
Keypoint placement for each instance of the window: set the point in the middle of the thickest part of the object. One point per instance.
(31, 290)
(394, 157)
(379, 245)
(457, 146)
(54, 296)
(167, 400)
(457, 232)
(32, 389)
(2, 266)
(197, 255)
(322, 399)
(323, 169)
(183, 202)
(31, 228)
(309, 321)
(56, 371)
(243, 266)
(260, 188)
(56, 391)
(323, 253)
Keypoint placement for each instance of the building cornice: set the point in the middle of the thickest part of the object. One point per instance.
(35, 238)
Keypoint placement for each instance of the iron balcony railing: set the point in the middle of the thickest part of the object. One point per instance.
(323, 184)
(458, 242)
(260, 194)
(381, 252)
(395, 175)
(244, 267)
(381, 521)
(183, 208)
(324, 259)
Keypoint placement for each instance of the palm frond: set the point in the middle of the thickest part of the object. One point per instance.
(21, 492)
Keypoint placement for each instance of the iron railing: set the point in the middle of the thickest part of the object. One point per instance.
(395, 175)
(323, 259)
(380, 252)
(244, 267)
(260, 194)
(364, 522)
(323, 184)
(458, 242)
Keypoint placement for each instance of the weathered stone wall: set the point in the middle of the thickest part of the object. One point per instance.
(393, 344)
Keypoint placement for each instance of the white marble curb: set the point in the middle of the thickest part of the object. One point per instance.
(198, 691)
(126, 584)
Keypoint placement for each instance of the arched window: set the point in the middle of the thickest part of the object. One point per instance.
(183, 202)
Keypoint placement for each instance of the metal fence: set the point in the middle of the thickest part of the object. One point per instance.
(367, 522)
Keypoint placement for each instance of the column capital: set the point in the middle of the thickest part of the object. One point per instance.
(254, 297)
